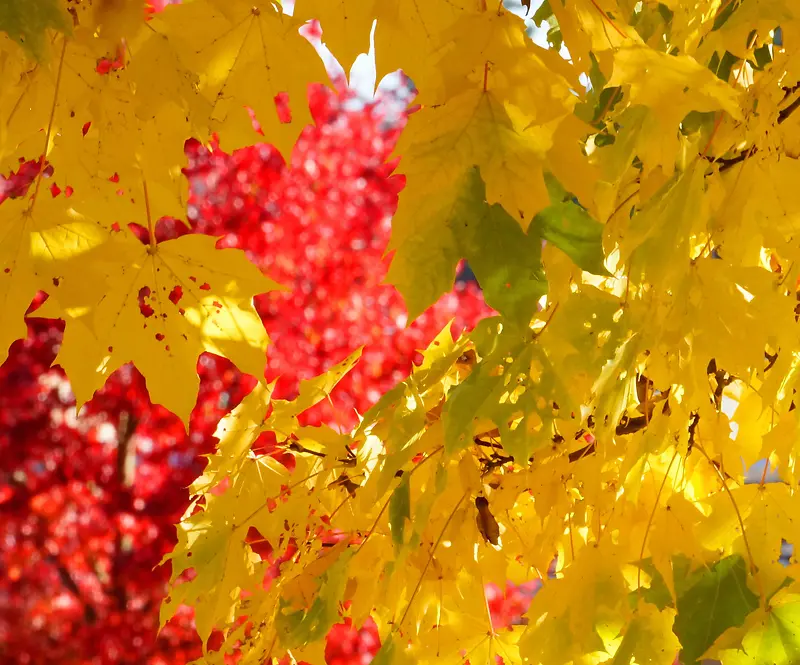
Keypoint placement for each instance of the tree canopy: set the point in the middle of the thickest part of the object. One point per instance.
(620, 177)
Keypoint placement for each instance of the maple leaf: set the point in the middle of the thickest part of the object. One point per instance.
(648, 639)
(226, 564)
(491, 51)
(405, 36)
(567, 626)
(246, 53)
(770, 637)
(166, 304)
(127, 129)
(41, 244)
(27, 22)
(304, 626)
(472, 227)
(710, 601)
(257, 414)
(684, 85)
(475, 128)
(506, 261)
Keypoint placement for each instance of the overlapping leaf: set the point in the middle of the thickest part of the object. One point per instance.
(166, 304)
(602, 437)
(245, 55)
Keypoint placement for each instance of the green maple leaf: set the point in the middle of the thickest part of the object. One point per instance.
(26, 22)
(505, 259)
(773, 635)
(710, 601)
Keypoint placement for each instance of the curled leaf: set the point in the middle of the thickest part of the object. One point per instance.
(487, 524)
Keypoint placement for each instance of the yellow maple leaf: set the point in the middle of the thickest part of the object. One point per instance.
(475, 128)
(121, 127)
(166, 304)
(115, 20)
(466, 632)
(675, 522)
(733, 34)
(769, 636)
(346, 25)
(214, 546)
(79, 347)
(491, 50)
(39, 236)
(245, 53)
(770, 513)
(648, 639)
(406, 34)
(28, 91)
(682, 84)
(106, 125)
(567, 614)
(238, 430)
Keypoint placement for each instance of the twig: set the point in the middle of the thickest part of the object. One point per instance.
(538, 333)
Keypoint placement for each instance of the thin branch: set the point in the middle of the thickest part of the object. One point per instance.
(692, 431)
(125, 478)
(784, 114)
(297, 447)
(89, 613)
(624, 201)
(486, 444)
(582, 452)
(725, 164)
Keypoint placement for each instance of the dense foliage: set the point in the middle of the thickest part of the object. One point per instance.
(88, 504)
(619, 175)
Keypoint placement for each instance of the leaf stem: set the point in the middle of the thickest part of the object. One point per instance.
(624, 201)
(764, 473)
(289, 488)
(386, 503)
(151, 227)
(428, 562)
(753, 568)
(539, 332)
(49, 132)
(612, 99)
(608, 18)
(650, 522)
